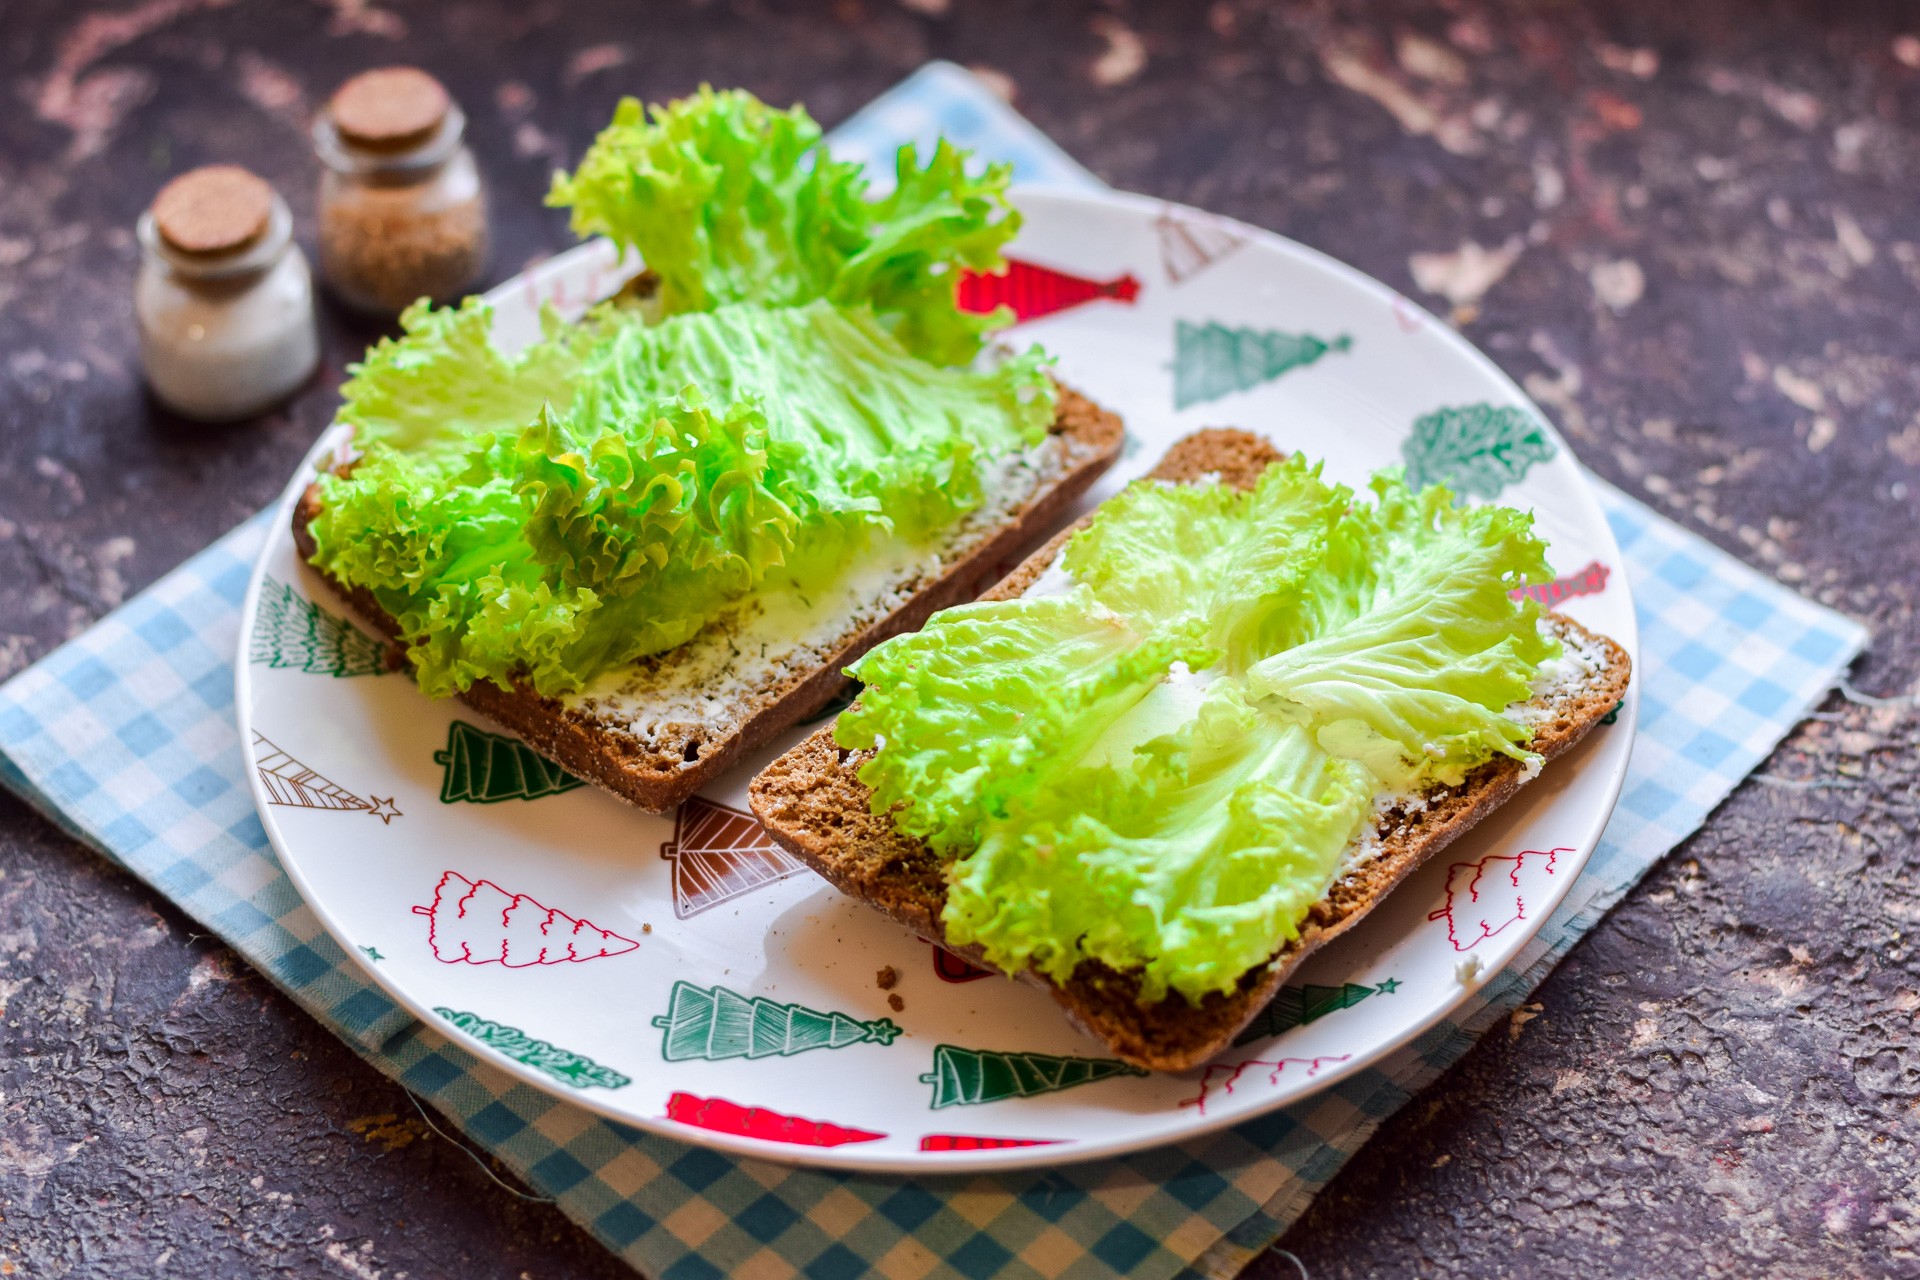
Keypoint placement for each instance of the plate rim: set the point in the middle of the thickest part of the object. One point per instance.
(849, 1158)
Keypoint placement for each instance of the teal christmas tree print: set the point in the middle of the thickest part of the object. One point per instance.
(1476, 449)
(292, 631)
(968, 1077)
(716, 1023)
(1215, 360)
(1296, 1006)
(567, 1067)
(486, 768)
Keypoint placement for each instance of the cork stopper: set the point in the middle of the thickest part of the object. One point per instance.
(389, 109)
(215, 209)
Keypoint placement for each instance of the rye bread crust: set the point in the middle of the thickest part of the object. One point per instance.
(1083, 442)
(813, 804)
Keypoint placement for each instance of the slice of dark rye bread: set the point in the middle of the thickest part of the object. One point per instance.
(815, 807)
(668, 761)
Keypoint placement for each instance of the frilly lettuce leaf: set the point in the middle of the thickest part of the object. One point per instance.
(1239, 560)
(884, 431)
(988, 698)
(1424, 669)
(729, 200)
(802, 384)
(1207, 845)
(443, 380)
(691, 463)
(1095, 804)
(558, 551)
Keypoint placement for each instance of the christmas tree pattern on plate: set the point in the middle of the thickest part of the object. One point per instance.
(1588, 581)
(716, 1023)
(486, 768)
(478, 922)
(1475, 449)
(1297, 1006)
(949, 967)
(1225, 1076)
(976, 1142)
(719, 853)
(569, 1068)
(1032, 291)
(1191, 241)
(721, 1116)
(290, 631)
(1485, 897)
(1215, 360)
(966, 1077)
(293, 785)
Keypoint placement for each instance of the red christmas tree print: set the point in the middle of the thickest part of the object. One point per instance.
(478, 922)
(949, 967)
(1588, 581)
(974, 1142)
(719, 853)
(1485, 897)
(1225, 1075)
(1032, 290)
(722, 1116)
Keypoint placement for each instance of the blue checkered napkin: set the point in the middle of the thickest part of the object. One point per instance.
(941, 100)
(126, 737)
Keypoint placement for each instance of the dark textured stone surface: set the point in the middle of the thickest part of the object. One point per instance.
(1715, 289)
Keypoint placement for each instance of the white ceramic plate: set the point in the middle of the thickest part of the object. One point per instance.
(711, 991)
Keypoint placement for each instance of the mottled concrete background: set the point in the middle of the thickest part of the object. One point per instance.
(1690, 227)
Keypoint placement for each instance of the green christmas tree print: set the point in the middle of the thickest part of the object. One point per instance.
(1296, 1006)
(292, 631)
(716, 1023)
(1214, 360)
(563, 1065)
(964, 1077)
(486, 768)
(1476, 449)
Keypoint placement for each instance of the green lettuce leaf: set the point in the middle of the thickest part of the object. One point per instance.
(1238, 560)
(1096, 799)
(991, 696)
(443, 380)
(728, 200)
(1417, 678)
(1190, 860)
(883, 430)
(691, 463)
(802, 385)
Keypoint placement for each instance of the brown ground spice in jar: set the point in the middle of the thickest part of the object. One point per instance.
(402, 208)
(379, 247)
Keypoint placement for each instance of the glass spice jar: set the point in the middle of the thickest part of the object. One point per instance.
(223, 299)
(403, 213)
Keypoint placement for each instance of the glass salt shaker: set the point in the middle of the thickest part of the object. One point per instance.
(223, 299)
(403, 213)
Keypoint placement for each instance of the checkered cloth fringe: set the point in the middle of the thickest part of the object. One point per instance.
(126, 738)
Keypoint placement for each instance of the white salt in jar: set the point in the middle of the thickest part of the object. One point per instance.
(224, 300)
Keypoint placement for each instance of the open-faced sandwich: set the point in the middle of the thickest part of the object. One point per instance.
(1195, 737)
(653, 537)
